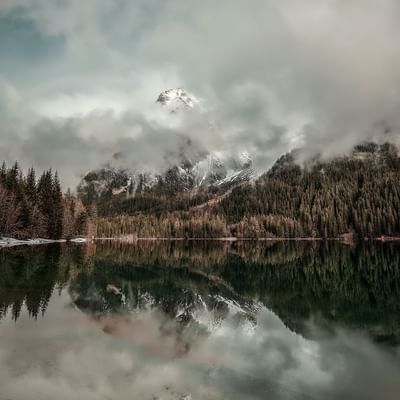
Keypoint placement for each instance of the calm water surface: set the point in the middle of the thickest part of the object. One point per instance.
(200, 320)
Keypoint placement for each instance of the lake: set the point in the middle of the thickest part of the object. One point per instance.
(200, 320)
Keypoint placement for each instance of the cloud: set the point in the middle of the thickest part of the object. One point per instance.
(76, 145)
(274, 75)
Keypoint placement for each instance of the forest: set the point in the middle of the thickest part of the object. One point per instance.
(37, 208)
(353, 197)
(356, 196)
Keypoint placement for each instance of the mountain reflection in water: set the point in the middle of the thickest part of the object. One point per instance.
(205, 320)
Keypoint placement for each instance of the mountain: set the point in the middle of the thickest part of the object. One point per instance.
(110, 185)
(177, 99)
(210, 194)
(191, 169)
(208, 169)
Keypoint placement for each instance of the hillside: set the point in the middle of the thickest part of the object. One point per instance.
(357, 194)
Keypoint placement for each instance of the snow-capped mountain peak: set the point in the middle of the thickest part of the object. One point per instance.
(176, 99)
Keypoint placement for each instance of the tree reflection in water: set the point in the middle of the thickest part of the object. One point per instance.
(200, 283)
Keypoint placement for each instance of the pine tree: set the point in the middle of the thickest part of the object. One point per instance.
(45, 201)
(31, 189)
(57, 225)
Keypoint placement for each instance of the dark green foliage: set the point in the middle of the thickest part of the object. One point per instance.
(57, 197)
(31, 209)
(50, 201)
(358, 194)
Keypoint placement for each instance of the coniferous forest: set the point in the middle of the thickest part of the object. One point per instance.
(34, 207)
(352, 196)
(355, 196)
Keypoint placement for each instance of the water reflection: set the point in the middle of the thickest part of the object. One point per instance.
(210, 320)
(329, 283)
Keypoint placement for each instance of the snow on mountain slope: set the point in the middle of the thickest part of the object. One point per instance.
(237, 177)
(176, 99)
(213, 171)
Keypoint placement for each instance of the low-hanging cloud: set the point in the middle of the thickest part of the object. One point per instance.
(273, 75)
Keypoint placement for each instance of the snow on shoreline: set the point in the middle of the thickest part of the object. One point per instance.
(10, 242)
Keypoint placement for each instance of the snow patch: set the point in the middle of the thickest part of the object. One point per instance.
(10, 242)
(79, 240)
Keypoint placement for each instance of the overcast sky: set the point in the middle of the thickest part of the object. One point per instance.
(79, 79)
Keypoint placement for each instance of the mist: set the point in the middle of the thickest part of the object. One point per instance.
(272, 76)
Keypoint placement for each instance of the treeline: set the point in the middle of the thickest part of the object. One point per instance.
(32, 208)
(197, 224)
(172, 225)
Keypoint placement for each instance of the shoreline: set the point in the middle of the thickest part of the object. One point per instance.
(6, 242)
(11, 242)
(343, 240)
